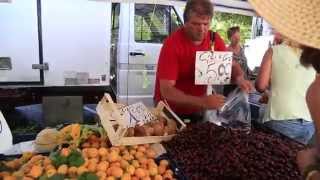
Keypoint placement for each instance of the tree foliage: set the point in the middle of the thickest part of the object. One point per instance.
(222, 21)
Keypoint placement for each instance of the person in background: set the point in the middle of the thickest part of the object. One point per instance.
(299, 21)
(238, 50)
(175, 77)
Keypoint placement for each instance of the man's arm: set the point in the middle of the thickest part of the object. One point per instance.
(171, 93)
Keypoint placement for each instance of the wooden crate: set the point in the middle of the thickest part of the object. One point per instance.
(114, 123)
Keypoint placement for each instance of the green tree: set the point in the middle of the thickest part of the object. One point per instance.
(222, 21)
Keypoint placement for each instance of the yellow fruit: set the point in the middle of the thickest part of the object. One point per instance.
(134, 178)
(81, 170)
(158, 177)
(117, 172)
(14, 164)
(113, 156)
(93, 152)
(135, 163)
(161, 169)
(144, 166)
(94, 160)
(36, 159)
(46, 161)
(140, 173)
(102, 166)
(142, 149)
(36, 171)
(92, 167)
(131, 157)
(103, 151)
(111, 178)
(153, 170)
(115, 164)
(143, 160)
(49, 167)
(27, 178)
(9, 178)
(122, 148)
(126, 176)
(124, 164)
(130, 169)
(72, 171)
(75, 131)
(4, 173)
(51, 172)
(104, 158)
(63, 169)
(116, 149)
(151, 153)
(124, 152)
(126, 157)
(132, 151)
(167, 176)
(101, 174)
(139, 154)
(164, 163)
(169, 171)
(86, 162)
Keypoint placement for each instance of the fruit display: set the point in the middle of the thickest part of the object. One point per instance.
(207, 151)
(73, 135)
(92, 160)
(158, 127)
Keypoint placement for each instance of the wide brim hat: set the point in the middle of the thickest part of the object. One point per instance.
(298, 20)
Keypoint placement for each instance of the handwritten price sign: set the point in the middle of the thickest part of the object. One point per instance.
(136, 114)
(213, 68)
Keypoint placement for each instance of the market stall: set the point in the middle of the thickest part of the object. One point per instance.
(158, 146)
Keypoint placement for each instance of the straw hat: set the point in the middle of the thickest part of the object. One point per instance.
(298, 20)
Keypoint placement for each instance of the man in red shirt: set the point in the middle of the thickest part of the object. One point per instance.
(176, 66)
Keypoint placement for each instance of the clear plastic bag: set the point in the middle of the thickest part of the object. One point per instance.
(235, 113)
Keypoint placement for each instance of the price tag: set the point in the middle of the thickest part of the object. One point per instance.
(136, 114)
(213, 68)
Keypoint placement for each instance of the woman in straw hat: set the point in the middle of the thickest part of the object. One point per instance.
(299, 20)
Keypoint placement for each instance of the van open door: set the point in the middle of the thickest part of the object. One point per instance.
(20, 43)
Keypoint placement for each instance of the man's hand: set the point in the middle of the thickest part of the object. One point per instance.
(245, 85)
(214, 101)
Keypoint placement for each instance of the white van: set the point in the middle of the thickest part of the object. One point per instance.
(87, 47)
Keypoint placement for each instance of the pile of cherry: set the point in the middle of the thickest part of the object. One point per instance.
(207, 151)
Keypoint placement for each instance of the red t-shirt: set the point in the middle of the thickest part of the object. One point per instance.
(177, 62)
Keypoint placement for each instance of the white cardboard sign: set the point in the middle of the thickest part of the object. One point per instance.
(5, 135)
(213, 68)
(136, 114)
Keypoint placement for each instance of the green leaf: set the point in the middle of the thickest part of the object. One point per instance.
(88, 176)
(43, 177)
(57, 177)
(57, 159)
(75, 158)
(54, 177)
